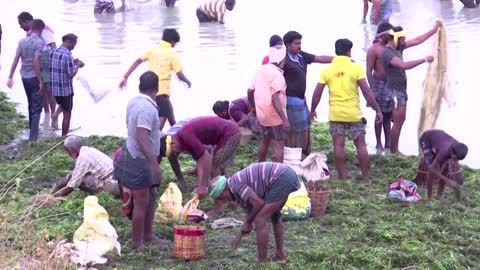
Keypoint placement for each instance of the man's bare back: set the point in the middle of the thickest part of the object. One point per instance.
(378, 69)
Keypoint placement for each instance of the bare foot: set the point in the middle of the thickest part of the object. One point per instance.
(157, 242)
(280, 258)
(138, 248)
(379, 148)
(55, 122)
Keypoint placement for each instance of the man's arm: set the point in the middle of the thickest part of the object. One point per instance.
(399, 63)
(257, 205)
(71, 68)
(221, 17)
(420, 39)
(323, 59)
(277, 104)
(176, 167)
(317, 96)
(130, 70)
(146, 149)
(14, 67)
(365, 10)
(368, 94)
(184, 78)
(371, 57)
(52, 45)
(204, 167)
(243, 120)
(36, 68)
(251, 98)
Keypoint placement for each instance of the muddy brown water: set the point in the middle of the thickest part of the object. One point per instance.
(220, 59)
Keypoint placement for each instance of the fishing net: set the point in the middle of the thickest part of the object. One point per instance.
(436, 83)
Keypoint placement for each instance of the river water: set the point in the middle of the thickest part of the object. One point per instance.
(220, 59)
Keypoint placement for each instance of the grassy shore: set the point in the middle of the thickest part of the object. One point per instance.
(362, 229)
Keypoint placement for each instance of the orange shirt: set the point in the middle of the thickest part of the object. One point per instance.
(267, 81)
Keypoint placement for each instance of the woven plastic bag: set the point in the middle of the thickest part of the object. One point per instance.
(314, 167)
(190, 211)
(96, 236)
(298, 205)
(169, 204)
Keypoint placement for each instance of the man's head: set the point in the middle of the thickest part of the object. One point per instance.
(293, 41)
(343, 47)
(171, 36)
(230, 4)
(220, 108)
(149, 84)
(69, 41)
(277, 55)
(25, 20)
(458, 151)
(397, 37)
(37, 26)
(218, 189)
(383, 27)
(72, 145)
(275, 40)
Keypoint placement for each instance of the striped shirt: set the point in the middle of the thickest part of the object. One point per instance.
(214, 9)
(62, 64)
(258, 178)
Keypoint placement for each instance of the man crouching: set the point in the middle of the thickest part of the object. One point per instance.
(262, 189)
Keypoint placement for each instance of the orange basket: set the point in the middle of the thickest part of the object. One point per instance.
(319, 197)
(188, 242)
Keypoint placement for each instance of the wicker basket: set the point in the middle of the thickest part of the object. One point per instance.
(188, 242)
(319, 197)
(245, 135)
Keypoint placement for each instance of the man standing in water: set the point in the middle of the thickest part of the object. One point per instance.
(137, 168)
(29, 50)
(377, 79)
(25, 20)
(381, 11)
(397, 78)
(470, 3)
(63, 70)
(162, 60)
(214, 10)
(343, 78)
(295, 73)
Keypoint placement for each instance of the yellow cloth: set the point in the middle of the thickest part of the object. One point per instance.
(342, 78)
(396, 36)
(163, 60)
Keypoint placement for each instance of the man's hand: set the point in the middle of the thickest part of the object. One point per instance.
(41, 89)
(379, 117)
(437, 26)
(79, 63)
(10, 83)
(313, 115)
(286, 126)
(253, 112)
(123, 83)
(156, 175)
(246, 228)
(189, 84)
(429, 59)
(201, 192)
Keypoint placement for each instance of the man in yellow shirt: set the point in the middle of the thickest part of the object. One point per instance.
(343, 78)
(162, 60)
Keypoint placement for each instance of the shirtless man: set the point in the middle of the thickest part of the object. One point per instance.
(377, 78)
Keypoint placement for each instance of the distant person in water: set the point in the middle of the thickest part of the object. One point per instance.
(470, 3)
(239, 111)
(170, 3)
(377, 79)
(380, 12)
(275, 40)
(214, 10)
(106, 5)
(441, 153)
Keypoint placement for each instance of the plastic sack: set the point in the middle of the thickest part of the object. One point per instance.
(169, 204)
(96, 236)
(314, 167)
(298, 205)
(293, 158)
(191, 213)
(404, 190)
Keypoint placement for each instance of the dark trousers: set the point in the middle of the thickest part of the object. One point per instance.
(170, 3)
(35, 105)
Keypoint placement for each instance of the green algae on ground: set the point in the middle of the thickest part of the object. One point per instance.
(11, 122)
(362, 228)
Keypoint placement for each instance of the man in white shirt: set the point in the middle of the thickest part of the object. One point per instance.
(92, 173)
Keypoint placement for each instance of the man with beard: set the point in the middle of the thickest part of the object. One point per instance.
(295, 73)
(396, 85)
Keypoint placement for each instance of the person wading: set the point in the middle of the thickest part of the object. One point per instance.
(214, 10)
(137, 167)
(343, 78)
(380, 12)
(295, 73)
(163, 60)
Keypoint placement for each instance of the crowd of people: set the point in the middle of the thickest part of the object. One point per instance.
(274, 107)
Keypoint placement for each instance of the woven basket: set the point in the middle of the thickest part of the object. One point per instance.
(319, 197)
(188, 242)
(245, 135)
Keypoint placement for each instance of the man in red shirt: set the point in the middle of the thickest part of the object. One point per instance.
(193, 137)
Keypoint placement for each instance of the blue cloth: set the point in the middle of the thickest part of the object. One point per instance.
(297, 113)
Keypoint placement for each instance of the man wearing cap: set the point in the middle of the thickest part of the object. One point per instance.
(267, 95)
(92, 173)
(193, 137)
(262, 189)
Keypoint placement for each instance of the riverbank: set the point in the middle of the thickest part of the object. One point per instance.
(362, 229)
